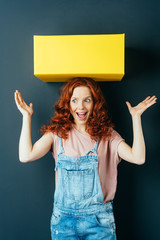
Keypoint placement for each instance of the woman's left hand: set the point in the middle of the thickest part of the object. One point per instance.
(142, 106)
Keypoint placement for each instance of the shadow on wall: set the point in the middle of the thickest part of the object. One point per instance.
(140, 61)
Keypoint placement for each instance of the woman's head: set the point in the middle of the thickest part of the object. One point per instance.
(81, 95)
(81, 105)
(74, 96)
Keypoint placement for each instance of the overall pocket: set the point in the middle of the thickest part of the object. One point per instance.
(106, 219)
(56, 217)
(78, 184)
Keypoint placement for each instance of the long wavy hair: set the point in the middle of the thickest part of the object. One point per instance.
(99, 124)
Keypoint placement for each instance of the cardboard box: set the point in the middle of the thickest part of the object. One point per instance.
(58, 58)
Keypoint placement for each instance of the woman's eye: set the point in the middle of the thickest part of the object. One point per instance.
(87, 100)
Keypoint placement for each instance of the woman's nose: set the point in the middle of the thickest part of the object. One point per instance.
(81, 105)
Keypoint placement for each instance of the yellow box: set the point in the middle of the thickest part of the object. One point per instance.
(58, 58)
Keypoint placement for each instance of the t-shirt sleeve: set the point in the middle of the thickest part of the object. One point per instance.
(53, 137)
(114, 142)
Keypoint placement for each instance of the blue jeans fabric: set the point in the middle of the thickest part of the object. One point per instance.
(79, 211)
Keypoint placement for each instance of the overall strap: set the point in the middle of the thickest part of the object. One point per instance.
(94, 150)
(61, 150)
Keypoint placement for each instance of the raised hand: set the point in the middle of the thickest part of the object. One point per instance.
(22, 106)
(142, 106)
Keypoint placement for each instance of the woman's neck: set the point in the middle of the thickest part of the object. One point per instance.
(81, 129)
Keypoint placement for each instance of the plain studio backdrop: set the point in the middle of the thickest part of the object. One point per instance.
(26, 190)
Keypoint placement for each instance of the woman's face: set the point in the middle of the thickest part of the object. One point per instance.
(81, 105)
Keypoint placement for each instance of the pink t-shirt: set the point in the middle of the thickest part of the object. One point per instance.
(78, 144)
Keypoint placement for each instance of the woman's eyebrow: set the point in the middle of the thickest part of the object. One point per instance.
(84, 97)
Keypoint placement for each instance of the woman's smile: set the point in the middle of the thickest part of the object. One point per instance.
(81, 116)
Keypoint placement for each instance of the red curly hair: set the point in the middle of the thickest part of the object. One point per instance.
(98, 125)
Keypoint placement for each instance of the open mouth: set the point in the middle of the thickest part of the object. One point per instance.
(81, 115)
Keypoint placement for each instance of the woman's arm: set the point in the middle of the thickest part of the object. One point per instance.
(136, 153)
(27, 152)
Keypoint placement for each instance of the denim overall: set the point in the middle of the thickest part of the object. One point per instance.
(79, 211)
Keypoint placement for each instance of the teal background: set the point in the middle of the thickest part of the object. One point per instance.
(26, 190)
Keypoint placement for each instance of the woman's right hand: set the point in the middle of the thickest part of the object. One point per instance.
(22, 106)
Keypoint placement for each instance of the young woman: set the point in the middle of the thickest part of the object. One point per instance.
(87, 151)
